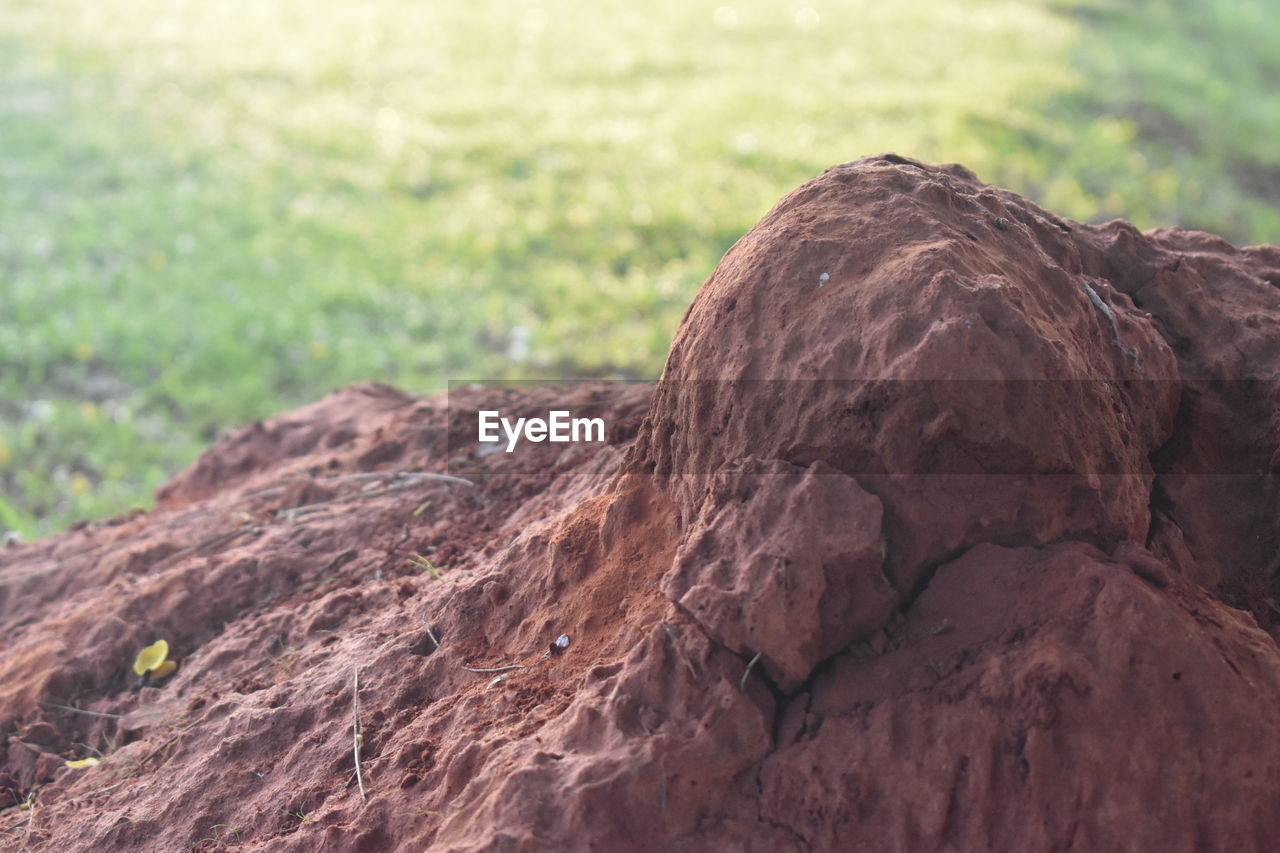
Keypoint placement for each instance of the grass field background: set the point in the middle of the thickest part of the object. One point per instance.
(210, 212)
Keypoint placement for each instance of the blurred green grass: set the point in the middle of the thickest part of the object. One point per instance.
(210, 212)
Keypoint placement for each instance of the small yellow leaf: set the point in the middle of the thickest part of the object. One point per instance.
(84, 762)
(164, 670)
(151, 657)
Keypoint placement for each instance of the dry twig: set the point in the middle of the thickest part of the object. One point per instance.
(31, 816)
(675, 643)
(355, 728)
(430, 633)
(213, 542)
(742, 685)
(410, 476)
(394, 481)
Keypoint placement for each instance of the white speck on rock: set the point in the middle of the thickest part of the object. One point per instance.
(823, 279)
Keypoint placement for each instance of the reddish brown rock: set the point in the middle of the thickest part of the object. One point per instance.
(902, 322)
(1217, 500)
(785, 562)
(981, 488)
(1040, 700)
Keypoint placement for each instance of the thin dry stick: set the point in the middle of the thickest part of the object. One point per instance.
(81, 710)
(355, 727)
(31, 816)
(742, 685)
(362, 476)
(153, 753)
(307, 509)
(675, 643)
(213, 542)
(430, 633)
(400, 475)
(496, 668)
(395, 481)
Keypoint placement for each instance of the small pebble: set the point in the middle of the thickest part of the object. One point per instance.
(561, 643)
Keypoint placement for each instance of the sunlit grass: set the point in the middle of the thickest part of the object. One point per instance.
(214, 211)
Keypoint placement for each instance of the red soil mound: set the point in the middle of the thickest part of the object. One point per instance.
(932, 537)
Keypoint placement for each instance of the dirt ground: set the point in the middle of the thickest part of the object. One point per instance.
(951, 525)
